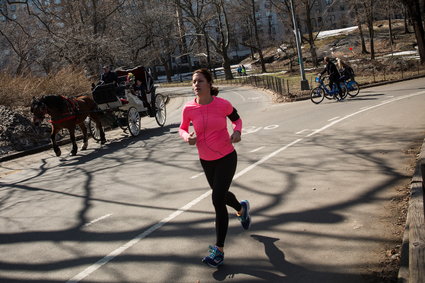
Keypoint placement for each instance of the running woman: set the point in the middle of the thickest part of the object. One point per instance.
(218, 157)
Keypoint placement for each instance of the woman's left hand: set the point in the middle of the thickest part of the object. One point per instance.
(235, 137)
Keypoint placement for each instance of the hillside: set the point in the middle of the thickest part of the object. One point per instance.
(346, 44)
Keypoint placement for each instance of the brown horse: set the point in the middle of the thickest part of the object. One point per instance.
(66, 112)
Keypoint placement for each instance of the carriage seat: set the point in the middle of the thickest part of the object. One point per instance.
(105, 93)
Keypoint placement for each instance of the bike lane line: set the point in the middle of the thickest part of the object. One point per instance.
(92, 268)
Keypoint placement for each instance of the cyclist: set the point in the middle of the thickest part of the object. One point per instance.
(334, 76)
(347, 73)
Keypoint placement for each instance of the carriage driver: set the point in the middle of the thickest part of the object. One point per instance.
(108, 76)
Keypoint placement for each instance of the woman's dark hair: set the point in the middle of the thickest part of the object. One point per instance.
(208, 76)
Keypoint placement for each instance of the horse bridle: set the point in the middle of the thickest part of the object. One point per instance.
(39, 111)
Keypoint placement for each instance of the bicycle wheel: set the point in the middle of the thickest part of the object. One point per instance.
(328, 95)
(317, 95)
(344, 91)
(353, 88)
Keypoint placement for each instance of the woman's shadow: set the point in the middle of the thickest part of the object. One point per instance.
(281, 270)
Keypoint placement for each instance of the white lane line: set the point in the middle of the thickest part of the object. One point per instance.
(97, 219)
(92, 268)
(334, 118)
(197, 175)
(240, 95)
(363, 110)
(257, 149)
(302, 131)
(264, 159)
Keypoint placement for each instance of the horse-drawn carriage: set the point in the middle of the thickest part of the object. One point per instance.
(122, 104)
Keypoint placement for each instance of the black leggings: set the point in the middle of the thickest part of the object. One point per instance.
(219, 174)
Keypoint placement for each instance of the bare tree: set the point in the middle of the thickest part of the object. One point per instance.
(210, 19)
(20, 41)
(413, 8)
(367, 10)
(246, 22)
(359, 25)
(307, 6)
(303, 10)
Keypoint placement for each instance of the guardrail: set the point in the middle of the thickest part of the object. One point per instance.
(412, 264)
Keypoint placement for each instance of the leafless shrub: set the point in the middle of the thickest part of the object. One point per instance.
(18, 90)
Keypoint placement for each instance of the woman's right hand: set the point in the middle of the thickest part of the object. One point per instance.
(192, 138)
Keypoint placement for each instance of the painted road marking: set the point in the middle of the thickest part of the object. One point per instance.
(334, 118)
(257, 149)
(254, 129)
(363, 110)
(92, 268)
(300, 132)
(271, 127)
(197, 175)
(97, 219)
(240, 95)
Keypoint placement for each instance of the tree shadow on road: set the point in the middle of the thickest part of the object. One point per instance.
(279, 268)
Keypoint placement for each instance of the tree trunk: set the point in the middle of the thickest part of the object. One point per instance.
(371, 40)
(182, 32)
(415, 14)
(359, 24)
(369, 15)
(406, 20)
(310, 34)
(257, 38)
(227, 68)
(165, 64)
(390, 28)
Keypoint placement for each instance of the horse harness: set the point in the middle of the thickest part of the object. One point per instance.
(73, 110)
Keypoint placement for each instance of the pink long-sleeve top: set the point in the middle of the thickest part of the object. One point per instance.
(210, 125)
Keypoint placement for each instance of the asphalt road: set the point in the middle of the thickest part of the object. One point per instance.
(320, 180)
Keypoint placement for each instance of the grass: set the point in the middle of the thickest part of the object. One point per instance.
(19, 90)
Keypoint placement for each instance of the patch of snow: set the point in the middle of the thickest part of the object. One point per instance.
(402, 53)
(333, 32)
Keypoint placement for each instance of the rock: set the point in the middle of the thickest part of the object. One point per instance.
(17, 131)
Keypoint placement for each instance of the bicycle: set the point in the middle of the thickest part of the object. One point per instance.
(319, 93)
(353, 88)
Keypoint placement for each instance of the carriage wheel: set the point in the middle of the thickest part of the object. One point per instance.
(94, 132)
(133, 119)
(161, 112)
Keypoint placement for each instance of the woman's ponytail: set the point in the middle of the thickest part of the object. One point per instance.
(214, 91)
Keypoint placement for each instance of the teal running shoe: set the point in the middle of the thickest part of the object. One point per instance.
(216, 257)
(245, 219)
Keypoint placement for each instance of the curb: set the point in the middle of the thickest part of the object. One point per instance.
(37, 149)
(412, 260)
